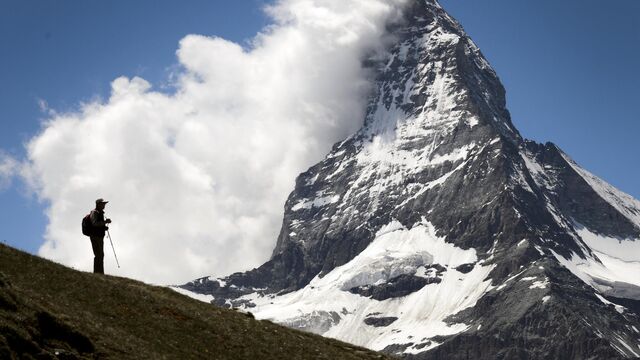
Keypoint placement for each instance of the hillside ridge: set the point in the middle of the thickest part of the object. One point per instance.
(49, 311)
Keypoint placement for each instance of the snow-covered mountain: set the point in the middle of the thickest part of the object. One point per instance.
(437, 231)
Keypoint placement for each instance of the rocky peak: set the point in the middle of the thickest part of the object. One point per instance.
(436, 231)
(437, 114)
(434, 81)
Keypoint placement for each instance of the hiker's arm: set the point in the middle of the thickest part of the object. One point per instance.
(96, 221)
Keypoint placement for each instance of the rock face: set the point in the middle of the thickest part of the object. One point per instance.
(462, 238)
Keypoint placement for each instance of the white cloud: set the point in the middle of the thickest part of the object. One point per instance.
(197, 179)
(8, 169)
(44, 107)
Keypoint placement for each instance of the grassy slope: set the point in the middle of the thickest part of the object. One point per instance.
(47, 308)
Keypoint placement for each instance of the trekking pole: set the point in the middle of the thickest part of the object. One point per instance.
(114, 249)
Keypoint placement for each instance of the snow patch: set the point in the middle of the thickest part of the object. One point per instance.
(312, 180)
(619, 308)
(472, 121)
(606, 274)
(627, 250)
(201, 297)
(395, 250)
(394, 225)
(540, 284)
(317, 202)
(537, 172)
(506, 282)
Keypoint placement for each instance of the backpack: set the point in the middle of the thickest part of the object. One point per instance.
(87, 226)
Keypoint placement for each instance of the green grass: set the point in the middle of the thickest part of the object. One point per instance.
(48, 311)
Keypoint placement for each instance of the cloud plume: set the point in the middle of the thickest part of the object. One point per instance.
(197, 178)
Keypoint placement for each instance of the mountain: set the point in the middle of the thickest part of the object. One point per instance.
(48, 311)
(437, 232)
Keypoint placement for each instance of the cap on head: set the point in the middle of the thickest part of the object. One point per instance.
(101, 201)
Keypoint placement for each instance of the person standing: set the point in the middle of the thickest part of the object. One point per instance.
(99, 225)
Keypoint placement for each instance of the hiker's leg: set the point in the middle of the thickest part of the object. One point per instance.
(94, 246)
(97, 243)
(99, 259)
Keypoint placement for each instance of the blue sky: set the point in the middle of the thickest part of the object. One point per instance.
(569, 67)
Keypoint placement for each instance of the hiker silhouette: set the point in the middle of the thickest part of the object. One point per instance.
(98, 229)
